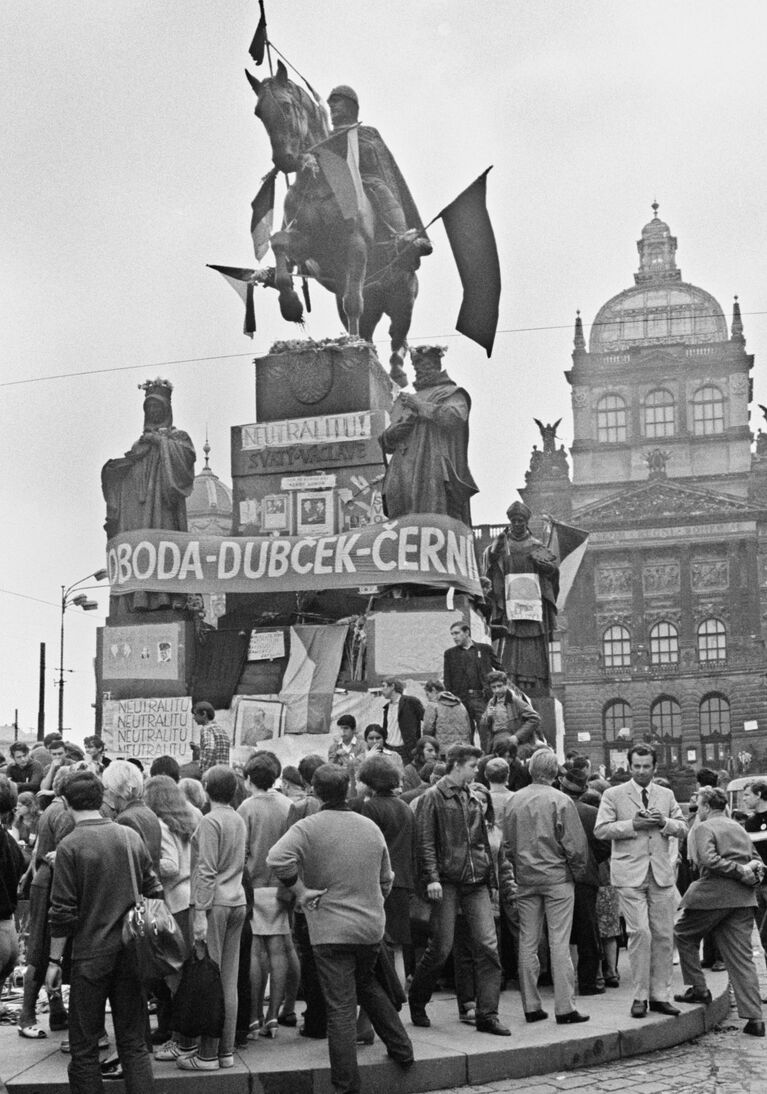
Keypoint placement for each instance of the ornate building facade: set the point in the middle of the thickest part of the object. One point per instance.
(663, 636)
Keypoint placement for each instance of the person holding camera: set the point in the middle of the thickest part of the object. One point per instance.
(722, 901)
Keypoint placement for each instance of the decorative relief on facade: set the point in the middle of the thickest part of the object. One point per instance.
(709, 609)
(616, 618)
(659, 499)
(613, 581)
(660, 578)
(580, 397)
(739, 383)
(709, 575)
(663, 615)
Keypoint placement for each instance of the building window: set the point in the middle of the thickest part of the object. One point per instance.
(616, 720)
(664, 644)
(611, 419)
(555, 654)
(712, 641)
(707, 411)
(659, 414)
(714, 722)
(666, 725)
(616, 648)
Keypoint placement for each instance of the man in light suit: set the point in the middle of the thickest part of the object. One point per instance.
(722, 901)
(641, 818)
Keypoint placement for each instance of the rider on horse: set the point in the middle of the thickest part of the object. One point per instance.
(396, 214)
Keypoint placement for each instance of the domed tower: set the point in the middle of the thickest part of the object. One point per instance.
(663, 384)
(209, 507)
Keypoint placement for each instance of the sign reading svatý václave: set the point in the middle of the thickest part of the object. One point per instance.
(425, 549)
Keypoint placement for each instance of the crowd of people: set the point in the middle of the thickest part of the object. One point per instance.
(446, 845)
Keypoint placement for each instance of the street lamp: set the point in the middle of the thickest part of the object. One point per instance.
(79, 600)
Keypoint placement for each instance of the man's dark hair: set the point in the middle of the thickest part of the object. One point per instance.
(434, 685)
(347, 720)
(380, 774)
(505, 747)
(714, 797)
(57, 743)
(166, 765)
(259, 770)
(136, 763)
(459, 753)
(642, 750)
(374, 726)
(94, 742)
(8, 796)
(497, 677)
(330, 784)
(461, 626)
(271, 758)
(395, 683)
(758, 787)
(203, 707)
(221, 784)
(19, 746)
(52, 738)
(307, 765)
(83, 791)
(706, 777)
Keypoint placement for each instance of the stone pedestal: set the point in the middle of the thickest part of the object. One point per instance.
(311, 463)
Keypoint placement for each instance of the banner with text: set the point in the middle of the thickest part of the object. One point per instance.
(425, 549)
(147, 728)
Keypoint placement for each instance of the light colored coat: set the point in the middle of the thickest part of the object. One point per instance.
(636, 852)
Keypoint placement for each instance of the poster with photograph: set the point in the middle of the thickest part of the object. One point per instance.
(256, 720)
(275, 513)
(314, 514)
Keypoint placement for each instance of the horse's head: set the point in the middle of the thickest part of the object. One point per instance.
(293, 120)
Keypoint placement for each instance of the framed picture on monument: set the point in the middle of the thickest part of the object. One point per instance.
(257, 720)
(314, 512)
(275, 513)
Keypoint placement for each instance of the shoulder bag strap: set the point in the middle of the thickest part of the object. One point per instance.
(132, 866)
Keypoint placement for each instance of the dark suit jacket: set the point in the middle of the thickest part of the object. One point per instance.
(599, 849)
(410, 717)
(455, 676)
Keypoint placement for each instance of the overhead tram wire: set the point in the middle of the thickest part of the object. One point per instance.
(249, 353)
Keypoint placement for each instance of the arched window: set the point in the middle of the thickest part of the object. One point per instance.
(666, 725)
(664, 644)
(659, 414)
(714, 723)
(555, 654)
(707, 411)
(611, 419)
(616, 717)
(712, 641)
(616, 648)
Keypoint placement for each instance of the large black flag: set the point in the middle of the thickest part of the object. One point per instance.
(241, 281)
(472, 241)
(258, 45)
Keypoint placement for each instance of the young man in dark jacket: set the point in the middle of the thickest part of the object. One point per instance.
(456, 869)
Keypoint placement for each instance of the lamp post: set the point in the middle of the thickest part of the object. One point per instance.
(68, 600)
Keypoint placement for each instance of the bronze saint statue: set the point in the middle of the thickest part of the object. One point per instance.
(427, 442)
(149, 485)
(524, 612)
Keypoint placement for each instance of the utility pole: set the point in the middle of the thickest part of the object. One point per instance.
(41, 696)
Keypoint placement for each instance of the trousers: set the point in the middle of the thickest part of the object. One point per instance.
(556, 905)
(649, 913)
(732, 929)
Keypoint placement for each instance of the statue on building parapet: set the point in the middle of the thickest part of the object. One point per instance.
(427, 444)
(525, 582)
(149, 485)
(656, 463)
(552, 461)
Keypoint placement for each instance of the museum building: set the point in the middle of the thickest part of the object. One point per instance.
(663, 636)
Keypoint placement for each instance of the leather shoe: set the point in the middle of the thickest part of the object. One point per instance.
(419, 1017)
(639, 1008)
(658, 1006)
(594, 989)
(612, 982)
(571, 1018)
(536, 1015)
(493, 1026)
(693, 995)
(754, 1028)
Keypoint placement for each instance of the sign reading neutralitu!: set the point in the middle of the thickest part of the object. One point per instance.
(426, 549)
(147, 728)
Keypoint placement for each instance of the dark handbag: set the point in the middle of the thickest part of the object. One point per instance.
(151, 934)
(200, 981)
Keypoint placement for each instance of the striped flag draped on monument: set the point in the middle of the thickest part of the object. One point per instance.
(569, 545)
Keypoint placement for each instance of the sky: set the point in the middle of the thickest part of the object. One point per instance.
(131, 155)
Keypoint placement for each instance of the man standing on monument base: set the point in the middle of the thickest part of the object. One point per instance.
(525, 582)
(428, 441)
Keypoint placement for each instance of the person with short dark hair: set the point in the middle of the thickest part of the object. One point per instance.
(465, 670)
(349, 748)
(457, 872)
(24, 770)
(376, 739)
(214, 747)
(640, 818)
(58, 751)
(445, 717)
(165, 765)
(97, 761)
(426, 751)
(704, 776)
(92, 891)
(723, 901)
(509, 712)
(337, 864)
(402, 717)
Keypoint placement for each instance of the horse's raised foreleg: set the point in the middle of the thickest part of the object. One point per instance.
(357, 259)
(291, 307)
(399, 307)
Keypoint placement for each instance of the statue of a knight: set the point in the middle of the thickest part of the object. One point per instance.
(396, 214)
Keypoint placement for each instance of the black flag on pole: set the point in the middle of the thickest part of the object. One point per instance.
(241, 281)
(258, 45)
(472, 242)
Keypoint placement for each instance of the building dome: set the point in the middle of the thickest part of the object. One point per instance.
(661, 307)
(209, 506)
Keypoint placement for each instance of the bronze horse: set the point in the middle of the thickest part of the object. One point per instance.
(354, 256)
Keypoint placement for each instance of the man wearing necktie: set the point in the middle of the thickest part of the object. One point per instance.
(641, 819)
